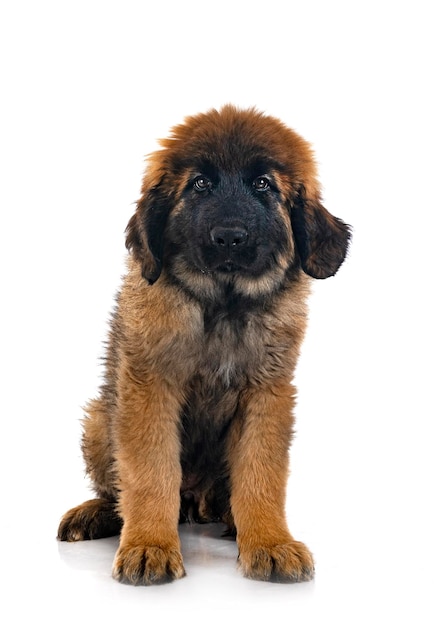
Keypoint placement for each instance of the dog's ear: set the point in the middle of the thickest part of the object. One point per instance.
(145, 231)
(322, 240)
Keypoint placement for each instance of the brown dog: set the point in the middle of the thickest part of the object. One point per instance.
(194, 420)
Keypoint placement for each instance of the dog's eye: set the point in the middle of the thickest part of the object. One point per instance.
(261, 183)
(201, 183)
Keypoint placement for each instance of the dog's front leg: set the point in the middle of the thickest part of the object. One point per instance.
(149, 472)
(259, 471)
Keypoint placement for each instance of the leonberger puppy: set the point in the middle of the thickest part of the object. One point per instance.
(194, 419)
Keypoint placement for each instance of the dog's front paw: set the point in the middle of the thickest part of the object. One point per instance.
(288, 562)
(147, 565)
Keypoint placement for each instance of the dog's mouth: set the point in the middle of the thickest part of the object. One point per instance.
(249, 263)
(217, 261)
(228, 267)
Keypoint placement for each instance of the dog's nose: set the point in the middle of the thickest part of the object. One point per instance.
(228, 236)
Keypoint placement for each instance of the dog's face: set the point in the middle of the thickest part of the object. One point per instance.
(232, 198)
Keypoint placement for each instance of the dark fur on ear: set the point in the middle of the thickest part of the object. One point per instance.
(144, 233)
(322, 240)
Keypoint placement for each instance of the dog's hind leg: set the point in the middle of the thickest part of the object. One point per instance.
(93, 519)
(96, 518)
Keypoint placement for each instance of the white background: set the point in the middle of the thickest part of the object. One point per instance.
(86, 89)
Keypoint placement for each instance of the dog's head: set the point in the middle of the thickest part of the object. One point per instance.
(233, 197)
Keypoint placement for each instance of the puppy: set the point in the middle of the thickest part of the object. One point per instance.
(194, 419)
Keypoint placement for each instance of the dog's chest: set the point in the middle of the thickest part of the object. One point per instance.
(227, 359)
(232, 349)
